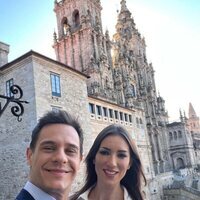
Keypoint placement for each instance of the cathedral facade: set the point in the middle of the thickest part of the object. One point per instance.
(126, 78)
(101, 81)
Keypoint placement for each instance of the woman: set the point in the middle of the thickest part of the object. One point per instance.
(113, 168)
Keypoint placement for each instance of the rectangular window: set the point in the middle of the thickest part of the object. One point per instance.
(98, 110)
(130, 118)
(91, 108)
(9, 83)
(116, 114)
(110, 113)
(121, 116)
(137, 122)
(105, 112)
(125, 117)
(55, 85)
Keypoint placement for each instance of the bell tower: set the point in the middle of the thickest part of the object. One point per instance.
(135, 84)
(128, 54)
(81, 44)
(193, 120)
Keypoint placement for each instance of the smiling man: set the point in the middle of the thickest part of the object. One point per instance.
(54, 157)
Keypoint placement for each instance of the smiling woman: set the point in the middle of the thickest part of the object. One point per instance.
(113, 168)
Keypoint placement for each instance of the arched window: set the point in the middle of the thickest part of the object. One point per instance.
(179, 134)
(170, 136)
(175, 135)
(133, 91)
(65, 25)
(76, 18)
(88, 12)
(180, 163)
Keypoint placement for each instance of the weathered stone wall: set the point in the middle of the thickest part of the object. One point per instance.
(4, 50)
(14, 135)
(181, 145)
(33, 76)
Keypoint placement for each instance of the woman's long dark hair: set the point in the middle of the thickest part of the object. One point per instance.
(133, 177)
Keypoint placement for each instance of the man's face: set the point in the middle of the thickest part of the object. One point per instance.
(56, 159)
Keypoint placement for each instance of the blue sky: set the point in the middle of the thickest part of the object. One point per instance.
(171, 29)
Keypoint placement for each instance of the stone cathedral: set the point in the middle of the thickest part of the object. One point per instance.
(127, 80)
(101, 81)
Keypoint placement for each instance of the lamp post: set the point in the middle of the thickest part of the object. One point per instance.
(18, 109)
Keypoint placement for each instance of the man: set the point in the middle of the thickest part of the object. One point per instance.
(54, 157)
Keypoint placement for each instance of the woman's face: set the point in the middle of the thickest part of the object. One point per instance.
(112, 160)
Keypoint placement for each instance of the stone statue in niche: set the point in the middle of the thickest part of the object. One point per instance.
(95, 87)
(67, 29)
(129, 103)
(97, 25)
(117, 76)
(116, 53)
(88, 17)
(107, 35)
(121, 98)
(103, 58)
(127, 61)
(92, 66)
(128, 91)
(83, 19)
(108, 83)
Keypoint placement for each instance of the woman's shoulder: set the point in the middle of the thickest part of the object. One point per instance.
(126, 194)
(84, 196)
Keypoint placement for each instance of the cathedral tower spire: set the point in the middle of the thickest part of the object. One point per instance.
(128, 45)
(123, 5)
(82, 45)
(191, 113)
(193, 120)
(135, 83)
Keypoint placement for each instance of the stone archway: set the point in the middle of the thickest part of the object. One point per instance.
(180, 163)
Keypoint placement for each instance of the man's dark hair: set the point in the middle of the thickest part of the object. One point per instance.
(56, 117)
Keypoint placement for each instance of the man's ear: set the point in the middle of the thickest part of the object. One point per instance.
(29, 154)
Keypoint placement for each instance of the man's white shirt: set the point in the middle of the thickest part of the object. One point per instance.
(37, 193)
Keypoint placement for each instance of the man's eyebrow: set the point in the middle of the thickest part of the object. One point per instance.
(73, 146)
(47, 142)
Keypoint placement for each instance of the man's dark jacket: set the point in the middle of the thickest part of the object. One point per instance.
(24, 195)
